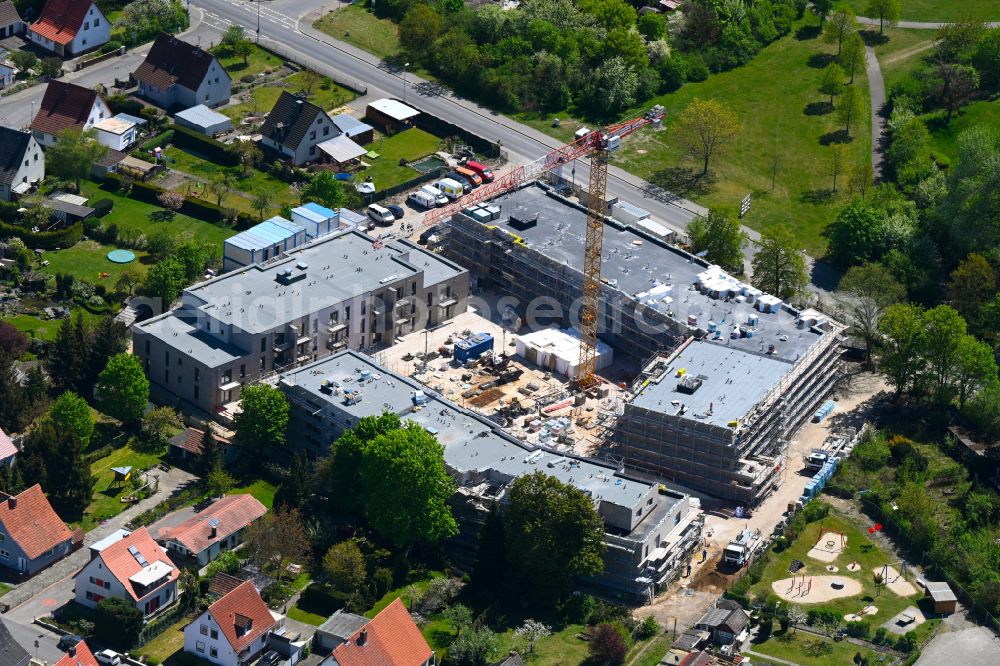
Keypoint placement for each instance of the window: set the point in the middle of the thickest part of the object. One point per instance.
(200, 646)
(312, 149)
(90, 595)
(243, 370)
(213, 652)
(86, 26)
(97, 22)
(413, 288)
(215, 634)
(180, 361)
(166, 358)
(326, 131)
(107, 585)
(197, 374)
(147, 347)
(263, 345)
(430, 298)
(263, 363)
(334, 317)
(203, 630)
(362, 325)
(195, 391)
(4, 554)
(347, 312)
(312, 135)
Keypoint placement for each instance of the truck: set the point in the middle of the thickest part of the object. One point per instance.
(741, 550)
(816, 459)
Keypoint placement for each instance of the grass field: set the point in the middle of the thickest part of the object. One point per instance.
(903, 53)
(260, 489)
(87, 260)
(106, 501)
(314, 605)
(259, 61)
(410, 145)
(358, 26)
(43, 329)
(804, 649)
(777, 100)
(944, 138)
(940, 10)
(164, 646)
(329, 97)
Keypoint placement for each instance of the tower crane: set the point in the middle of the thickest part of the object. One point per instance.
(598, 146)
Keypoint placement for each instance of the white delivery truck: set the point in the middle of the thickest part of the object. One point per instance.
(451, 188)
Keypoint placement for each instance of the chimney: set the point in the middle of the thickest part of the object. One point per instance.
(12, 502)
(363, 637)
(72, 651)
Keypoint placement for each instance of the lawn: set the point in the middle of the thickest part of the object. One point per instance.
(785, 125)
(808, 650)
(166, 644)
(327, 95)
(87, 260)
(358, 26)
(401, 592)
(314, 606)
(5, 588)
(43, 329)
(944, 138)
(940, 10)
(260, 489)
(259, 61)
(106, 501)
(902, 52)
(410, 145)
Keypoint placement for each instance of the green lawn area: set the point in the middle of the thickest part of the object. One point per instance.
(401, 592)
(5, 588)
(260, 489)
(410, 144)
(43, 329)
(166, 644)
(358, 26)
(777, 100)
(940, 10)
(259, 61)
(314, 606)
(326, 96)
(944, 138)
(903, 52)
(87, 260)
(808, 650)
(106, 501)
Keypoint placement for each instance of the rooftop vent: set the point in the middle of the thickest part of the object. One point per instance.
(522, 224)
(689, 384)
(287, 276)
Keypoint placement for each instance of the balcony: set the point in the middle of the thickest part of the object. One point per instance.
(335, 328)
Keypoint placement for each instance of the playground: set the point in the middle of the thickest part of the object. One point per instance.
(806, 589)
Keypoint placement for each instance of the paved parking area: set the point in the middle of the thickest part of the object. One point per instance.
(975, 646)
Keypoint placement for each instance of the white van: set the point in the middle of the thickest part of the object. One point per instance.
(380, 215)
(440, 198)
(108, 657)
(422, 199)
(451, 188)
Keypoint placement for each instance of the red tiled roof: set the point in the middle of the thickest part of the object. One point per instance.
(191, 442)
(123, 565)
(31, 522)
(7, 448)
(241, 607)
(83, 656)
(222, 584)
(233, 513)
(64, 105)
(61, 19)
(171, 61)
(391, 638)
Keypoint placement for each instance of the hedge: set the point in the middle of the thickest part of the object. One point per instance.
(212, 150)
(45, 240)
(142, 150)
(149, 193)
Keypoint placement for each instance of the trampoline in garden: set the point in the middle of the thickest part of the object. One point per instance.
(121, 256)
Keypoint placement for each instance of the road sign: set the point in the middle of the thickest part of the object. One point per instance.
(744, 206)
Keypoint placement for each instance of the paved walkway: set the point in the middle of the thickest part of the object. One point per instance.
(876, 90)
(769, 658)
(42, 593)
(918, 25)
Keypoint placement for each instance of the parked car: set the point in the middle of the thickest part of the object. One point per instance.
(452, 188)
(438, 195)
(470, 176)
(108, 657)
(68, 641)
(466, 184)
(397, 211)
(380, 215)
(422, 199)
(484, 171)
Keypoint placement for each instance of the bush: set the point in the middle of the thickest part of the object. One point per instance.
(113, 45)
(579, 608)
(248, 78)
(858, 629)
(117, 622)
(823, 616)
(45, 240)
(228, 562)
(102, 207)
(648, 628)
(212, 150)
(814, 511)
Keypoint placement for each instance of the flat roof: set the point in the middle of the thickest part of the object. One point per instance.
(635, 262)
(732, 382)
(265, 234)
(119, 124)
(314, 212)
(471, 442)
(339, 266)
(179, 333)
(202, 116)
(341, 149)
(151, 573)
(350, 125)
(393, 108)
(114, 537)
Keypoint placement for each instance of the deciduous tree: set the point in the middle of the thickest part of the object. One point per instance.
(221, 184)
(706, 127)
(164, 281)
(71, 413)
(262, 420)
(608, 644)
(852, 55)
(420, 27)
(277, 540)
(262, 202)
(344, 566)
(122, 388)
(476, 646)
(868, 291)
(972, 283)
(857, 235)
(899, 352)
(849, 109)
(778, 266)
(117, 622)
(719, 236)
(73, 155)
(953, 85)
(840, 24)
(325, 189)
(157, 427)
(886, 11)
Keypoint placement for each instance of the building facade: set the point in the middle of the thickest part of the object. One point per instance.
(32, 536)
(341, 291)
(178, 75)
(22, 164)
(70, 27)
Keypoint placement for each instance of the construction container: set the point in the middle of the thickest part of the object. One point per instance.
(473, 347)
(628, 213)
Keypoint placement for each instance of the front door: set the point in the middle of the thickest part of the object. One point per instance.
(22, 564)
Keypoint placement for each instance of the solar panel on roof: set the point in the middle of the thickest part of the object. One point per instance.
(213, 522)
(138, 556)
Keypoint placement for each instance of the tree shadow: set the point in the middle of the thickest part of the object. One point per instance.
(820, 196)
(820, 60)
(807, 32)
(873, 38)
(824, 275)
(837, 136)
(683, 181)
(818, 109)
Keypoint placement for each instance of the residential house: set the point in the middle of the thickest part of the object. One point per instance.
(78, 655)
(67, 105)
(188, 444)
(295, 127)
(725, 623)
(176, 74)
(120, 132)
(70, 27)
(7, 73)
(32, 536)
(22, 165)
(356, 130)
(8, 451)
(234, 629)
(134, 568)
(213, 530)
(10, 20)
(391, 637)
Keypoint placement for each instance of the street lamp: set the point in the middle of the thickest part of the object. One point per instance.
(405, 65)
(258, 21)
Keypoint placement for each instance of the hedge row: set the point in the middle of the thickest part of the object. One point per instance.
(212, 150)
(193, 206)
(44, 240)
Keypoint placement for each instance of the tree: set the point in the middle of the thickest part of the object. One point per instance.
(263, 419)
(886, 11)
(54, 458)
(24, 60)
(459, 615)
(852, 55)
(325, 189)
(405, 487)
(849, 109)
(65, 361)
(107, 338)
(532, 631)
(821, 8)
(160, 244)
(344, 566)
(248, 154)
(234, 34)
(796, 616)
(13, 343)
(972, 283)
(262, 202)
(244, 49)
(975, 367)
(476, 646)
(117, 622)
(221, 184)
(857, 235)
(341, 468)
(491, 568)
(832, 81)
(615, 86)
(128, 280)
(706, 127)
(277, 540)
(778, 267)
(841, 24)
(868, 291)
(171, 202)
(838, 158)
(122, 388)
(899, 353)
(420, 27)
(944, 329)
(73, 155)
(860, 179)
(219, 482)
(608, 644)
(71, 413)
(164, 281)
(157, 427)
(652, 26)
(212, 453)
(953, 85)
(556, 534)
(720, 238)
(51, 67)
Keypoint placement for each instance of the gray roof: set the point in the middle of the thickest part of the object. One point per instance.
(179, 333)
(12, 653)
(732, 619)
(636, 262)
(472, 444)
(343, 625)
(350, 125)
(202, 116)
(940, 591)
(67, 207)
(12, 146)
(339, 266)
(732, 382)
(290, 119)
(8, 13)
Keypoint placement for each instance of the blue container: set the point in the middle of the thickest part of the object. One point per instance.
(473, 347)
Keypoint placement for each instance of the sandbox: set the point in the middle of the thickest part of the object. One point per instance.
(828, 547)
(895, 582)
(816, 589)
